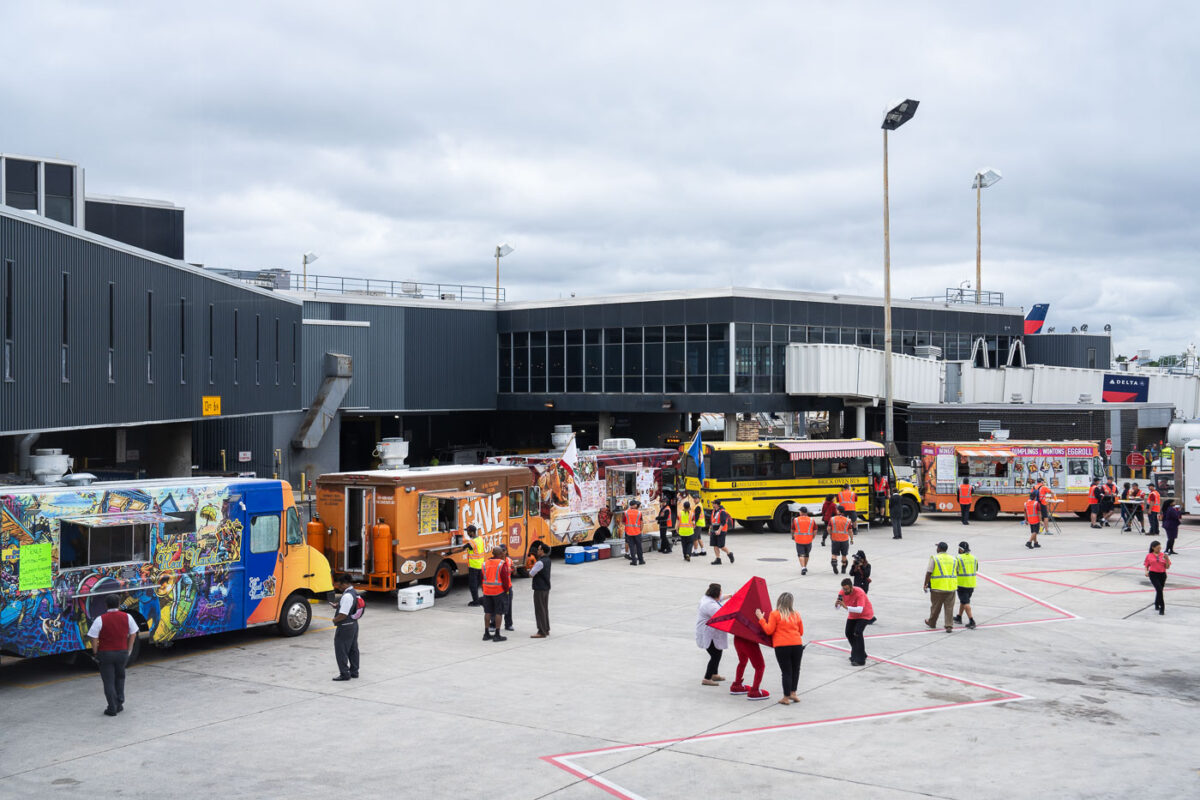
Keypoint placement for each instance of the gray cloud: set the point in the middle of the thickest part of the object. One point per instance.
(628, 146)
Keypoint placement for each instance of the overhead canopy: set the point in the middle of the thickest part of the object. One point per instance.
(453, 494)
(124, 518)
(807, 451)
(981, 452)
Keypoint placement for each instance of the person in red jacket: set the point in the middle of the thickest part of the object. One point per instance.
(856, 602)
(112, 634)
(828, 509)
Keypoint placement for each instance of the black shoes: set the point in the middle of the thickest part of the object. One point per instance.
(843, 567)
(1029, 545)
(508, 627)
(971, 624)
(834, 565)
(108, 712)
(804, 570)
(1035, 544)
(342, 678)
(717, 561)
(487, 635)
(475, 603)
(958, 618)
(730, 557)
(499, 638)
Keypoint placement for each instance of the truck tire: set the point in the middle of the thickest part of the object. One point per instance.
(295, 616)
(443, 579)
(755, 525)
(909, 511)
(781, 520)
(986, 509)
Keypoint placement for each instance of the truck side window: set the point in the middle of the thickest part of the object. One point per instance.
(534, 495)
(516, 503)
(294, 533)
(264, 533)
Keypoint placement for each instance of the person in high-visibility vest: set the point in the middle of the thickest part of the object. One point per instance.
(687, 529)
(848, 500)
(803, 528)
(1044, 496)
(842, 533)
(718, 527)
(1154, 501)
(666, 522)
(966, 567)
(477, 548)
(508, 594)
(1108, 501)
(1033, 516)
(497, 580)
(1094, 494)
(940, 582)
(633, 533)
(964, 499)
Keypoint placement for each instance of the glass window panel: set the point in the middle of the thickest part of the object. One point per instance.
(593, 358)
(593, 383)
(922, 338)
(798, 334)
(537, 363)
(574, 336)
(718, 361)
(574, 360)
(557, 358)
(633, 335)
(20, 176)
(264, 533)
(574, 383)
(675, 352)
(697, 384)
(831, 336)
(555, 383)
(537, 338)
(612, 336)
(633, 383)
(674, 384)
(816, 335)
(505, 384)
(653, 383)
(864, 337)
(612, 360)
(592, 336)
(697, 358)
(652, 353)
(697, 333)
(59, 180)
(520, 339)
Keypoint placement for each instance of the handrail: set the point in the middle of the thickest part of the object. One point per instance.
(372, 287)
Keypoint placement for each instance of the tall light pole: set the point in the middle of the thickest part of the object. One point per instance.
(896, 116)
(308, 259)
(984, 178)
(501, 251)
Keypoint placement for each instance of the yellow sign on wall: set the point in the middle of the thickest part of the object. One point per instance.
(210, 405)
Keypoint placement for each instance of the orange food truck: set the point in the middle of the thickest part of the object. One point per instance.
(1002, 473)
(388, 527)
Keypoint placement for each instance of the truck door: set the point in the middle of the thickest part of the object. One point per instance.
(262, 552)
(360, 514)
(518, 524)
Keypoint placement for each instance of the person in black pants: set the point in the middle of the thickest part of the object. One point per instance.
(665, 521)
(112, 634)
(894, 503)
(855, 601)
(539, 575)
(1171, 516)
(709, 639)
(345, 635)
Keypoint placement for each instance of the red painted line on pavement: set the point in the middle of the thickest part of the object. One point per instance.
(1029, 576)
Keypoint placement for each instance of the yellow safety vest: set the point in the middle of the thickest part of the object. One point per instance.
(943, 579)
(686, 527)
(478, 555)
(965, 567)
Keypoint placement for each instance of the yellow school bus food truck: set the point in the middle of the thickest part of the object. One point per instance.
(388, 527)
(757, 481)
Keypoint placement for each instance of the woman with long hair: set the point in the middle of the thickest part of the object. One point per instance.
(1157, 563)
(1171, 517)
(786, 630)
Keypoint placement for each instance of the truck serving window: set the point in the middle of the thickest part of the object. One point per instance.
(264, 533)
(87, 546)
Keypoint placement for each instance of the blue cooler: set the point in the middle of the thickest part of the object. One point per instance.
(575, 555)
(592, 553)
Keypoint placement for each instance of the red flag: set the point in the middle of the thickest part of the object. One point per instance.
(737, 615)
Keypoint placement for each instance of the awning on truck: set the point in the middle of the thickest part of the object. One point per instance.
(979, 452)
(453, 494)
(807, 451)
(122, 518)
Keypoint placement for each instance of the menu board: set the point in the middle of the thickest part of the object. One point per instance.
(428, 517)
(35, 567)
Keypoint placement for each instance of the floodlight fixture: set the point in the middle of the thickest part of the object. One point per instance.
(985, 177)
(900, 113)
(501, 251)
(308, 258)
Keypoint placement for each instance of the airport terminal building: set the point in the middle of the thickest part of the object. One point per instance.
(136, 362)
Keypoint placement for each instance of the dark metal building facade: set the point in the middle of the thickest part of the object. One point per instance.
(1087, 350)
(97, 334)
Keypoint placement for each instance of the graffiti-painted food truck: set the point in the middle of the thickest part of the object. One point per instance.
(1002, 473)
(186, 557)
(577, 500)
(388, 527)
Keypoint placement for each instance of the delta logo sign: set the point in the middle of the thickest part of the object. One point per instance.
(1126, 389)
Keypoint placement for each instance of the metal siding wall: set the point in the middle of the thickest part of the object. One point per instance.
(354, 342)
(450, 359)
(1068, 349)
(38, 399)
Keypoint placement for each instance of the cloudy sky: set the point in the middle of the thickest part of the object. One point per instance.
(640, 146)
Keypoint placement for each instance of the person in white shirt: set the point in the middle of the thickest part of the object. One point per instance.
(113, 634)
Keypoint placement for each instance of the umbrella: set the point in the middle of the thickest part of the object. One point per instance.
(737, 615)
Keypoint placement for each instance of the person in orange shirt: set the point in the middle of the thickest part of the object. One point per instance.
(786, 630)
(1154, 501)
(842, 533)
(964, 499)
(848, 500)
(1095, 492)
(803, 528)
(1033, 516)
(1044, 496)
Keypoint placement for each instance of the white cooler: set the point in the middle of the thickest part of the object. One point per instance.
(414, 598)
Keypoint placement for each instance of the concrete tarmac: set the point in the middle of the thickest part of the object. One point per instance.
(1071, 686)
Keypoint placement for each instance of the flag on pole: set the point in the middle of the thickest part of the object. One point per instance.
(570, 462)
(696, 452)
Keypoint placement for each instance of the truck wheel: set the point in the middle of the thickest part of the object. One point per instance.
(443, 579)
(755, 525)
(987, 510)
(294, 616)
(781, 520)
(909, 511)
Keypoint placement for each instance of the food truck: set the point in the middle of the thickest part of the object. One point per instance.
(1002, 473)
(580, 493)
(186, 557)
(388, 527)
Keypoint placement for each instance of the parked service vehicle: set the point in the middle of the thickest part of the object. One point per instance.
(389, 527)
(187, 557)
(1002, 473)
(758, 481)
(580, 492)
(1187, 477)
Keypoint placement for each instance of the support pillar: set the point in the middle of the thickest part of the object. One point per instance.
(860, 422)
(605, 427)
(731, 427)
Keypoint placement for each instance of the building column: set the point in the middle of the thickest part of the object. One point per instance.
(170, 455)
(731, 421)
(860, 422)
(605, 431)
